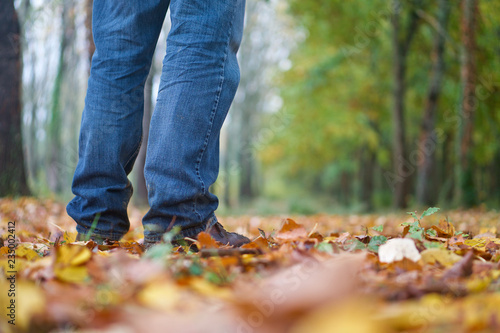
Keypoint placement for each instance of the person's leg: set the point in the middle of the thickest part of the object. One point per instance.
(125, 35)
(199, 79)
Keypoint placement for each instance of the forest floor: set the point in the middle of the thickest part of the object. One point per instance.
(300, 274)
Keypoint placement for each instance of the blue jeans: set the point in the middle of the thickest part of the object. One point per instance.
(199, 79)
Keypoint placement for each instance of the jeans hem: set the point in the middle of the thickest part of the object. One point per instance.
(98, 234)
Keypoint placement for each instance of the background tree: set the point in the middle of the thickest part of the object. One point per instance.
(12, 173)
(403, 37)
(428, 136)
(465, 179)
(266, 44)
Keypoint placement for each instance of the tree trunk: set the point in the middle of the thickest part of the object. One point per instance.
(12, 173)
(367, 177)
(495, 178)
(246, 159)
(226, 197)
(465, 180)
(428, 140)
(401, 45)
(55, 144)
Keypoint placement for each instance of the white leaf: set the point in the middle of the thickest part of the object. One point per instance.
(398, 248)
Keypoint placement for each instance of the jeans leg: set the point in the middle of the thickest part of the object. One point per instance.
(125, 35)
(199, 79)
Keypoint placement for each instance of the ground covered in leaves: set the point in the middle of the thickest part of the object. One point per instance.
(426, 272)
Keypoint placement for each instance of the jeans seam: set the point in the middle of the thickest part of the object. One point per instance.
(213, 112)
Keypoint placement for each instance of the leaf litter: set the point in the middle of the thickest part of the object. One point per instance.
(359, 273)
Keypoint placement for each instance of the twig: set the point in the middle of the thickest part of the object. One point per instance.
(205, 253)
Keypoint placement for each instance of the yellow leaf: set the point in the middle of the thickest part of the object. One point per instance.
(75, 274)
(69, 262)
(28, 301)
(484, 230)
(73, 254)
(70, 237)
(431, 309)
(26, 251)
(478, 284)
(159, 295)
(478, 311)
(350, 317)
(444, 257)
(495, 240)
(495, 274)
(19, 265)
(103, 253)
(478, 243)
(204, 287)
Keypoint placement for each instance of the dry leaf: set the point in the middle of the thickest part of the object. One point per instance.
(160, 295)
(291, 230)
(445, 229)
(397, 249)
(205, 241)
(463, 268)
(442, 256)
(68, 265)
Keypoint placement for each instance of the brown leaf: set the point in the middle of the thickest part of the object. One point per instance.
(462, 268)
(456, 240)
(406, 230)
(291, 230)
(259, 243)
(365, 239)
(445, 229)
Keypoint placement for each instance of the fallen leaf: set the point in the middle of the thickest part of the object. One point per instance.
(259, 243)
(73, 254)
(159, 295)
(25, 250)
(444, 229)
(205, 241)
(462, 268)
(75, 274)
(29, 301)
(398, 248)
(291, 230)
(68, 265)
(442, 256)
(342, 319)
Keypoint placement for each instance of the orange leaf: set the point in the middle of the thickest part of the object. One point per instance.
(291, 230)
(258, 243)
(206, 241)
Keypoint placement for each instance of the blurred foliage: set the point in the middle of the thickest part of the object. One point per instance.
(338, 93)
